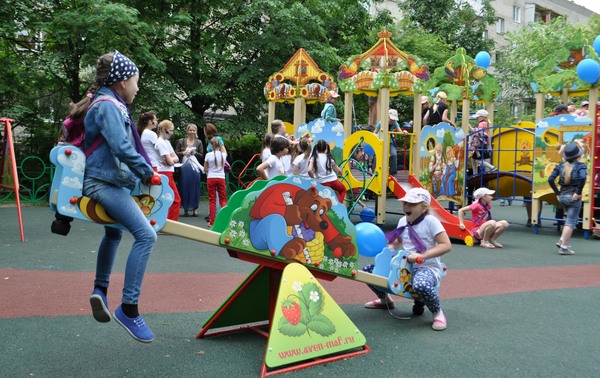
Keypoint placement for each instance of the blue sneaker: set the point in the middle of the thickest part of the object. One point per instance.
(135, 326)
(99, 306)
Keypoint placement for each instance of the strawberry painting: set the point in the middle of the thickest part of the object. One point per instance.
(291, 311)
(302, 312)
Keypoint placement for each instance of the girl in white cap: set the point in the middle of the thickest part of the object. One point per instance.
(480, 146)
(484, 227)
(422, 236)
(572, 175)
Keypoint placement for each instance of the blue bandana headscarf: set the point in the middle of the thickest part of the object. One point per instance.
(121, 68)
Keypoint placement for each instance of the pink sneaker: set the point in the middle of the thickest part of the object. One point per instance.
(439, 321)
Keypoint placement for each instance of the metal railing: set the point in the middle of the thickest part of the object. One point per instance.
(35, 178)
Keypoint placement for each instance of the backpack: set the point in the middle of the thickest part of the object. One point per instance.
(72, 130)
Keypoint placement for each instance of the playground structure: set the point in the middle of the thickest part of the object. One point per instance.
(440, 162)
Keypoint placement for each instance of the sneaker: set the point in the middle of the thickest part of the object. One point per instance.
(528, 223)
(384, 303)
(135, 326)
(99, 305)
(502, 203)
(558, 243)
(566, 250)
(439, 321)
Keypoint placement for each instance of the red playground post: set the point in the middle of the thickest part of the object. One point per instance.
(7, 155)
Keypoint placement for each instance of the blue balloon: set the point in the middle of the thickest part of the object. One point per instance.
(367, 214)
(369, 150)
(370, 239)
(588, 71)
(596, 45)
(483, 59)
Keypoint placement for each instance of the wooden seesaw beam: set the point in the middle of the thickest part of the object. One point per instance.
(211, 237)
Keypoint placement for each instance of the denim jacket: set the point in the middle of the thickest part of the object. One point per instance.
(578, 177)
(116, 160)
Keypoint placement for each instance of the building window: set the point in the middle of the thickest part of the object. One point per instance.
(485, 34)
(500, 26)
(516, 13)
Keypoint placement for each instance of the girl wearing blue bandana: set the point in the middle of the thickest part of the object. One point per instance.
(422, 236)
(117, 162)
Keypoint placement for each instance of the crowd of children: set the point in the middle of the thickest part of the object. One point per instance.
(283, 154)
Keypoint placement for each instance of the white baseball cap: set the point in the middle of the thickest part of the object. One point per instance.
(482, 192)
(393, 114)
(417, 195)
(480, 113)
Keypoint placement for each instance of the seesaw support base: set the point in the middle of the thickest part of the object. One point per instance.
(253, 307)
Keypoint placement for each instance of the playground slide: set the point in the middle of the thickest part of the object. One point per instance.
(449, 221)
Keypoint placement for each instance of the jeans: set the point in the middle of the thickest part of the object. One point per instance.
(119, 204)
(571, 207)
(393, 159)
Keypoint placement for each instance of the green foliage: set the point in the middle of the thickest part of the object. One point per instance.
(525, 49)
(454, 21)
(243, 147)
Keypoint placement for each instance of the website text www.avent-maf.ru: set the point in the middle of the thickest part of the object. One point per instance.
(316, 347)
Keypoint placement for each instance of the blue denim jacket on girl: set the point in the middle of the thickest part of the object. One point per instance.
(116, 161)
(578, 177)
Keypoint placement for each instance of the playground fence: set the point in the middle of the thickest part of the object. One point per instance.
(36, 174)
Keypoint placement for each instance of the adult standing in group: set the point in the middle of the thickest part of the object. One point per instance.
(190, 152)
(118, 163)
(393, 126)
(438, 112)
(210, 131)
(166, 164)
(145, 128)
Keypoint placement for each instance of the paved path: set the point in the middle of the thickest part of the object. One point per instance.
(522, 310)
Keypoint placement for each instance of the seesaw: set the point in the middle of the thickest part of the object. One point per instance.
(296, 232)
(67, 199)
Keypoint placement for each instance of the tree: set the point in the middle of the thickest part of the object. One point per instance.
(454, 21)
(525, 49)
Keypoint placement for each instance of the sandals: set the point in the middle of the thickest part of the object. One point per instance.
(496, 244)
(486, 244)
(381, 304)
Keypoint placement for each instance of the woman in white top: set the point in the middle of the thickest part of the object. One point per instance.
(300, 163)
(166, 164)
(273, 166)
(214, 166)
(145, 128)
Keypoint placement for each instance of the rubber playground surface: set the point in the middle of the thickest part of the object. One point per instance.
(523, 310)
